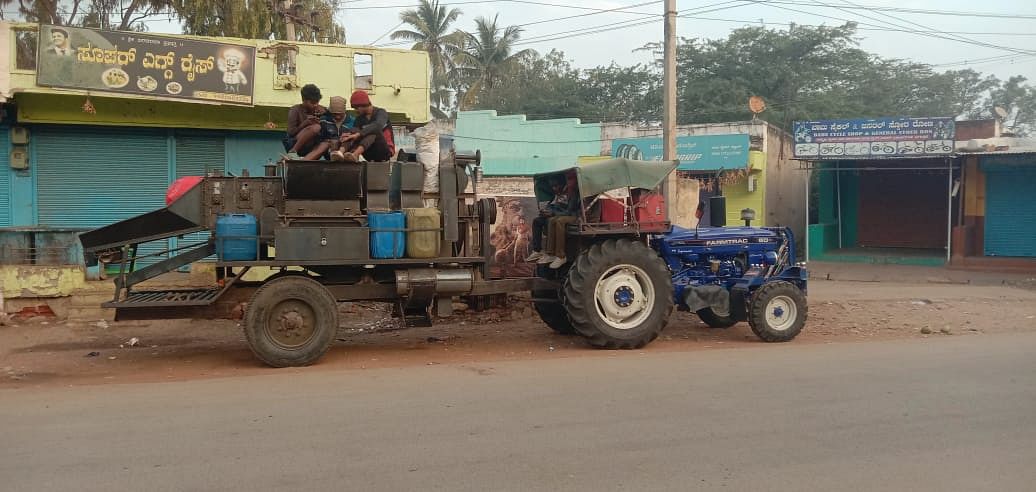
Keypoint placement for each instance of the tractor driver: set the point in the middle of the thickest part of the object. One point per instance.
(555, 215)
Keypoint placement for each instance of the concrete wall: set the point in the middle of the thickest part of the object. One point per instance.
(738, 196)
(513, 146)
(785, 185)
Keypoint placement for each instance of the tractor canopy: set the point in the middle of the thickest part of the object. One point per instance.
(594, 178)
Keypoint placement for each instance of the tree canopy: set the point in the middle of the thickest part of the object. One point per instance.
(802, 72)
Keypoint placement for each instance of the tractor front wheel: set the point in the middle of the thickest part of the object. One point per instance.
(777, 312)
(291, 321)
(618, 294)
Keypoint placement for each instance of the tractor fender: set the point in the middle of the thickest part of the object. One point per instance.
(700, 297)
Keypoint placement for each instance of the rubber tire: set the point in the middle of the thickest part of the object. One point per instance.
(291, 287)
(580, 302)
(709, 317)
(757, 311)
(553, 313)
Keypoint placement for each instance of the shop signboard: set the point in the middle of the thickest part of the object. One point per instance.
(695, 152)
(145, 64)
(879, 138)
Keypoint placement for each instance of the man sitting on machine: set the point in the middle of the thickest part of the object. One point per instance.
(304, 123)
(335, 125)
(373, 140)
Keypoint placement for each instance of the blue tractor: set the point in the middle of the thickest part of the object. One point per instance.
(732, 274)
(629, 269)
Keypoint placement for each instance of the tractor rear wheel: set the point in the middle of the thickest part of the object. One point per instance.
(714, 319)
(777, 312)
(618, 294)
(291, 321)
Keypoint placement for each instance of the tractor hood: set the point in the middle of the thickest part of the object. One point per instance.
(713, 234)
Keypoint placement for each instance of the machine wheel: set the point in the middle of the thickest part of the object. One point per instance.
(709, 317)
(618, 294)
(291, 321)
(553, 313)
(777, 312)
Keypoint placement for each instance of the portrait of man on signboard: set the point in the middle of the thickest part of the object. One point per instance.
(60, 42)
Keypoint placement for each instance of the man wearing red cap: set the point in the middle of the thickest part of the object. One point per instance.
(373, 139)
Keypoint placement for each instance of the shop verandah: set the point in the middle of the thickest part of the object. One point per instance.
(887, 211)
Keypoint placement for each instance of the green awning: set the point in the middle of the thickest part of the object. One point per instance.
(601, 176)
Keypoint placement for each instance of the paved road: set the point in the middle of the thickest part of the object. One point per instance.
(954, 413)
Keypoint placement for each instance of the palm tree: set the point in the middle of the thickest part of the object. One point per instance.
(430, 31)
(487, 56)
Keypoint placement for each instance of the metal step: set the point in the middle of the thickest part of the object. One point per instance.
(166, 298)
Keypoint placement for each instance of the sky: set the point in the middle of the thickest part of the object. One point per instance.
(1009, 38)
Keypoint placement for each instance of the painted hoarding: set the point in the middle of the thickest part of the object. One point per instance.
(695, 152)
(873, 138)
(145, 64)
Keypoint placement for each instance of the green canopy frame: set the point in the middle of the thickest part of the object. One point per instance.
(594, 178)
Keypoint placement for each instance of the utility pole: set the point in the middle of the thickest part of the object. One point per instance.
(289, 30)
(289, 21)
(669, 105)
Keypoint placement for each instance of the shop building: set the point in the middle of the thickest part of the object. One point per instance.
(748, 162)
(882, 190)
(97, 136)
(997, 224)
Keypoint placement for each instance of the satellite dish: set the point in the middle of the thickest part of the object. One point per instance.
(756, 104)
(1000, 112)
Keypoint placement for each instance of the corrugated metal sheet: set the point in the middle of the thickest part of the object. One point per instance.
(1010, 211)
(198, 154)
(89, 177)
(5, 177)
(93, 177)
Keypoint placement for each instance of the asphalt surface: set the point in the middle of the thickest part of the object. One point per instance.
(953, 413)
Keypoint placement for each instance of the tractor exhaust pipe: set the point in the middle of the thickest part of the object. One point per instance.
(718, 211)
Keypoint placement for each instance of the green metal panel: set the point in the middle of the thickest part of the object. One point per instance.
(5, 177)
(1010, 211)
(850, 208)
(89, 177)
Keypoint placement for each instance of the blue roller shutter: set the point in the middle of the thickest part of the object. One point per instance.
(1010, 211)
(90, 176)
(198, 154)
(5, 177)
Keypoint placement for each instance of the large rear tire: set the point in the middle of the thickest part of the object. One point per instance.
(291, 321)
(553, 313)
(618, 294)
(777, 312)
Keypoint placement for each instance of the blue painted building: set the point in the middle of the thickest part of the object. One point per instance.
(88, 176)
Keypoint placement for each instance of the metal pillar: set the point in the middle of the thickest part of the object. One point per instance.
(949, 208)
(838, 201)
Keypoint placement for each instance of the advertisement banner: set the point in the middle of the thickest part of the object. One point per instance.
(695, 152)
(145, 64)
(873, 139)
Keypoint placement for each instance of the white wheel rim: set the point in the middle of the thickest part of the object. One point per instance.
(781, 313)
(624, 296)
